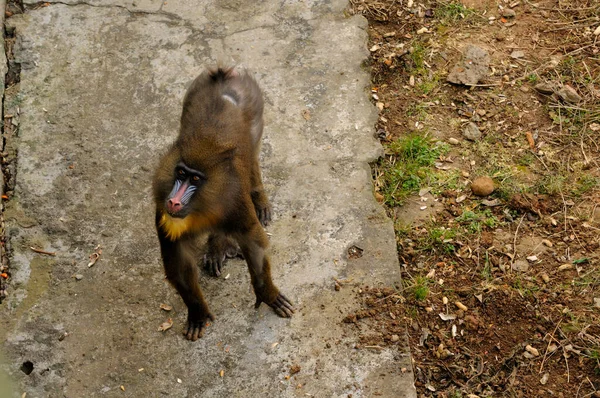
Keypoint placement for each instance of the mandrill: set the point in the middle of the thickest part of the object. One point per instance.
(209, 181)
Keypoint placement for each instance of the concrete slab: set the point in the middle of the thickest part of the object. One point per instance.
(99, 99)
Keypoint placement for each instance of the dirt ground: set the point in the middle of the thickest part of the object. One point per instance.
(501, 294)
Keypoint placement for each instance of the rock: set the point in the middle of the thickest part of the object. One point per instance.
(473, 67)
(546, 88)
(395, 338)
(78, 277)
(517, 54)
(597, 302)
(568, 94)
(483, 186)
(471, 132)
(453, 141)
(508, 13)
(520, 265)
(597, 31)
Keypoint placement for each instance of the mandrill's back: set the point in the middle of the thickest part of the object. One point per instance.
(225, 107)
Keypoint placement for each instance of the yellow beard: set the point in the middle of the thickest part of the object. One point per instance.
(174, 227)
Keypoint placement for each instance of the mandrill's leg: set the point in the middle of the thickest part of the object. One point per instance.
(259, 197)
(253, 245)
(220, 247)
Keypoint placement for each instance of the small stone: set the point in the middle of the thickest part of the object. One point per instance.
(532, 350)
(453, 141)
(508, 13)
(460, 306)
(517, 54)
(524, 89)
(597, 31)
(544, 378)
(565, 267)
(471, 132)
(568, 94)
(473, 67)
(597, 302)
(78, 277)
(520, 265)
(532, 259)
(482, 186)
(546, 88)
(395, 338)
(545, 278)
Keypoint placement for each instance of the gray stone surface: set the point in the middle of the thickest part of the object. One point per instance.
(474, 66)
(99, 99)
(471, 132)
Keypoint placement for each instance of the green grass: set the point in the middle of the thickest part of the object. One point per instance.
(420, 288)
(408, 168)
(451, 12)
(475, 221)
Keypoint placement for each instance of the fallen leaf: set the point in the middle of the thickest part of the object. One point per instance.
(165, 325)
(306, 114)
(530, 139)
(166, 307)
(447, 317)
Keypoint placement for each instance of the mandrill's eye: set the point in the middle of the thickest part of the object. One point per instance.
(195, 178)
(180, 172)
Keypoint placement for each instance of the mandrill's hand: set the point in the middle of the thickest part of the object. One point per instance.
(196, 325)
(281, 305)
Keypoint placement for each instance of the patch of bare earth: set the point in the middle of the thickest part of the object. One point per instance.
(501, 294)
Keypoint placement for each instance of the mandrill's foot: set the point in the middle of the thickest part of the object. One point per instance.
(220, 248)
(262, 207)
(281, 305)
(264, 215)
(196, 325)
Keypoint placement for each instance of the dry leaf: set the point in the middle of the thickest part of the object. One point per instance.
(530, 139)
(165, 325)
(166, 307)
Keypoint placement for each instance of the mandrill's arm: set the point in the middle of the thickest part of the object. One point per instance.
(182, 273)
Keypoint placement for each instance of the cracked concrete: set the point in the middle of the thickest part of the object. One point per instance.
(99, 99)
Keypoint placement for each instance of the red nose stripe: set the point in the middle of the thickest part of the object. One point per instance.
(179, 194)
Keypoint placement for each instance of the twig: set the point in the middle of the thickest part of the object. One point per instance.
(43, 251)
(548, 346)
(512, 260)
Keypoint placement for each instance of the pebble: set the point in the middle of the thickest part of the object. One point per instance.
(545, 277)
(78, 277)
(508, 13)
(472, 68)
(395, 338)
(453, 141)
(471, 132)
(568, 94)
(565, 267)
(482, 186)
(517, 54)
(546, 88)
(520, 265)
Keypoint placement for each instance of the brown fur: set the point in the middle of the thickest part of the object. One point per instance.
(221, 140)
